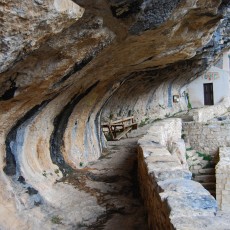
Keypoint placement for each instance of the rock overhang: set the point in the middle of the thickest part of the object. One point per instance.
(73, 67)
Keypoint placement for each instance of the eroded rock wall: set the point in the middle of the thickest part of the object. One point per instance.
(149, 94)
(60, 64)
(26, 25)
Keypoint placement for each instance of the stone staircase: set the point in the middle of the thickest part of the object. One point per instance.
(202, 168)
(207, 178)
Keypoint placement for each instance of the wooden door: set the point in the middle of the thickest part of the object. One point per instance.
(208, 94)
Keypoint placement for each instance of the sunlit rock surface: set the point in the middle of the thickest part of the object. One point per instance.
(62, 61)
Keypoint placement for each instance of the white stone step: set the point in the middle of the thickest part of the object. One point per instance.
(191, 153)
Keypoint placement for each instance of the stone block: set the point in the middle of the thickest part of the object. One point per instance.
(225, 194)
(196, 161)
(207, 171)
(219, 176)
(190, 153)
(161, 158)
(195, 171)
(183, 186)
(225, 206)
(189, 222)
(220, 186)
(203, 163)
(227, 186)
(197, 167)
(160, 175)
(192, 204)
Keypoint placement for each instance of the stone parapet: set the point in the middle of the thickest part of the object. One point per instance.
(209, 112)
(172, 199)
(223, 179)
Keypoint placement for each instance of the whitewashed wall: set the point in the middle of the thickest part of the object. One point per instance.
(220, 80)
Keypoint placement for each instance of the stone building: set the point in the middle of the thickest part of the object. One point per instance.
(211, 87)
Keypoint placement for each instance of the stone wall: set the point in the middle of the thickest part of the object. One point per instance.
(209, 112)
(223, 180)
(172, 199)
(207, 137)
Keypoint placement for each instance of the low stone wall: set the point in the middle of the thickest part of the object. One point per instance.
(223, 179)
(207, 137)
(208, 112)
(172, 199)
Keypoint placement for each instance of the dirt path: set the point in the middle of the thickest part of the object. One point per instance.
(113, 181)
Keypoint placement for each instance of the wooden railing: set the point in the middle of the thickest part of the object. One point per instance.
(119, 128)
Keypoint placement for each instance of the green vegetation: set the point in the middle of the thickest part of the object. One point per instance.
(177, 113)
(187, 156)
(81, 164)
(144, 122)
(206, 157)
(167, 115)
(111, 116)
(157, 119)
(189, 103)
(108, 136)
(189, 149)
(56, 220)
(161, 106)
(183, 136)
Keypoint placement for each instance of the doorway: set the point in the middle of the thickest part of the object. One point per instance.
(208, 94)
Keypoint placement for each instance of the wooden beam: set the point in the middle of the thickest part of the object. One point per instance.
(123, 134)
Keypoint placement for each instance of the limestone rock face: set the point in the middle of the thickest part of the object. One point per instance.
(61, 62)
(26, 25)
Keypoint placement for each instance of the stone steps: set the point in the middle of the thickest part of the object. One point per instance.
(209, 186)
(205, 178)
(190, 153)
(208, 171)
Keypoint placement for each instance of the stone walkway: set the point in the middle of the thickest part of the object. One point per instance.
(113, 181)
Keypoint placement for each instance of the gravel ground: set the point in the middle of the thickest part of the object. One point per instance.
(113, 181)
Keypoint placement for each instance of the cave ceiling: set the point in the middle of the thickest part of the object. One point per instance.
(62, 61)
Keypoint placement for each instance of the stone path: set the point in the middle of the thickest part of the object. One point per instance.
(113, 181)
